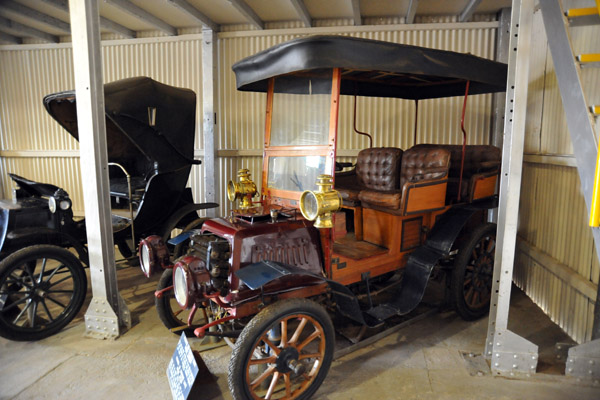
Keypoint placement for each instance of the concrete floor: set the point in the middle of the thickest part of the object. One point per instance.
(422, 361)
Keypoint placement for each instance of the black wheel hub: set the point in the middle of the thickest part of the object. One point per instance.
(288, 355)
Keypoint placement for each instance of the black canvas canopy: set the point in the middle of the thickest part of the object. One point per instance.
(373, 68)
(129, 105)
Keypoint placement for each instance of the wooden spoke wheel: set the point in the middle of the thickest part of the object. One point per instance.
(473, 273)
(284, 352)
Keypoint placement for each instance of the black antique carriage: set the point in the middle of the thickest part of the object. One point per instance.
(150, 140)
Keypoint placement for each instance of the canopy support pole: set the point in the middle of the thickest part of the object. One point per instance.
(107, 312)
(209, 112)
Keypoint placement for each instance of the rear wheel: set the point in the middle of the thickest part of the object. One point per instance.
(284, 352)
(42, 288)
(473, 273)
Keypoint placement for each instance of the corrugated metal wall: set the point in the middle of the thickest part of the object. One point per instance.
(553, 215)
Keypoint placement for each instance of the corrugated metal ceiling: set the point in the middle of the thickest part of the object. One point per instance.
(32, 21)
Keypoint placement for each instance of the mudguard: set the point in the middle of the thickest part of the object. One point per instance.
(3, 226)
(420, 263)
(43, 235)
(260, 273)
(171, 223)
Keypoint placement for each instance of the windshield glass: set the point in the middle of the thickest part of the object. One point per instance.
(301, 110)
(296, 173)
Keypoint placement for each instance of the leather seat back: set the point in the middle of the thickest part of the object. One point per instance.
(420, 163)
(378, 168)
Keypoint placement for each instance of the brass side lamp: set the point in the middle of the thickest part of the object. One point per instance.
(320, 204)
(243, 190)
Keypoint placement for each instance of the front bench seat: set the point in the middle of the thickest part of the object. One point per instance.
(376, 168)
(420, 167)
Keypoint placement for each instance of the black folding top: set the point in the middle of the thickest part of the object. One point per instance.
(374, 68)
(129, 103)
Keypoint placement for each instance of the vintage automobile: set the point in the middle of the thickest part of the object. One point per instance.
(271, 274)
(150, 131)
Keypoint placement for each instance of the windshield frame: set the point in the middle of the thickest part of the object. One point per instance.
(288, 198)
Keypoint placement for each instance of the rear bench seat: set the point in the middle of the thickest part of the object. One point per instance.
(481, 168)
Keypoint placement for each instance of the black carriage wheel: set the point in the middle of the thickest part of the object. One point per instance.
(124, 248)
(169, 312)
(284, 352)
(42, 288)
(473, 273)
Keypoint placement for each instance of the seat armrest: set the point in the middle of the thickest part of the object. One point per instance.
(424, 195)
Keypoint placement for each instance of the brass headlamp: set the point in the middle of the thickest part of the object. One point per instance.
(244, 190)
(320, 204)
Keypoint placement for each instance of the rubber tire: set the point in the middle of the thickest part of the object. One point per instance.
(458, 273)
(124, 249)
(9, 331)
(244, 345)
(163, 305)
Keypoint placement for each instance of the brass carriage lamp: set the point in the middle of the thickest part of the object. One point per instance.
(320, 204)
(244, 190)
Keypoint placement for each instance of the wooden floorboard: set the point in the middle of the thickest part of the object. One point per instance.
(349, 247)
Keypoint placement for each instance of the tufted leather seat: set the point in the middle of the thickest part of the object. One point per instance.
(417, 164)
(376, 168)
(479, 159)
(424, 163)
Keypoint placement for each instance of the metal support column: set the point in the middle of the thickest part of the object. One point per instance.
(499, 99)
(107, 312)
(583, 360)
(511, 354)
(209, 112)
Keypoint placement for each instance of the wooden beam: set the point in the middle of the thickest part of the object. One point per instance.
(248, 13)
(105, 23)
(35, 15)
(411, 12)
(560, 270)
(143, 15)
(6, 38)
(302, 11)
(468, 11)
(192, 11)
(23, 30)
(356, 12)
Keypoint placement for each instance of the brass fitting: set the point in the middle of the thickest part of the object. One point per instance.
(244, 189)
(320, 204)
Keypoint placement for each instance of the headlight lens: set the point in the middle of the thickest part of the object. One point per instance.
(180, 285)
(52, 204)
(153, 253)
(64, 204)
(146, 259)
(309, 205)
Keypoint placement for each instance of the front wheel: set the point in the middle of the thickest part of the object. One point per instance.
(169, 312)
(473, 273)
(284, 352)
(42, 288)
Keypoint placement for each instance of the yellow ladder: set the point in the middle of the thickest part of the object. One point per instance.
(590, 59)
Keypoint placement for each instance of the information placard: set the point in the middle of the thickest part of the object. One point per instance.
(182, 370)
